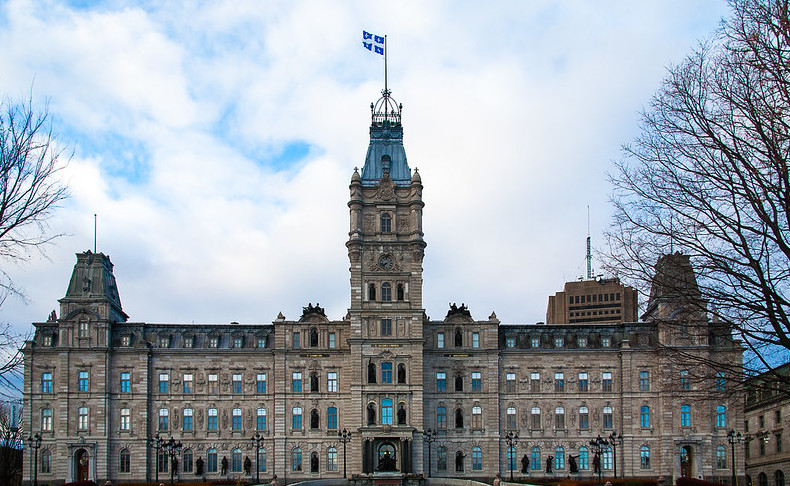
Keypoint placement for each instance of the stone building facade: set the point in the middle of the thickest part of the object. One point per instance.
(98, 385)
(764, 442)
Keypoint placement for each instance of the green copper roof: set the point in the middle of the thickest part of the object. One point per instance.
(386, 152)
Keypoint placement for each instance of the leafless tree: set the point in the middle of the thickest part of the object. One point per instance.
(708, 177)
(30, 190)
(11, 441)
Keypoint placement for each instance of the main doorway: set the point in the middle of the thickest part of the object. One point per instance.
(81, 463)
(686, 462)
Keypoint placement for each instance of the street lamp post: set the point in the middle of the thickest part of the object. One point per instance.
(511, 439)
(733, 438)
(345, 437)
(614, 440)
(156, 444)
(171, 447)
(429, 436)
(257, 440)
(598, 444)
(35, 444)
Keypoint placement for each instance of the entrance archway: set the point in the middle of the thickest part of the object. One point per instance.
(81, 464)
(686, 462)
(387, 457)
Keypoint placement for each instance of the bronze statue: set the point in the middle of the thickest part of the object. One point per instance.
(524, 464)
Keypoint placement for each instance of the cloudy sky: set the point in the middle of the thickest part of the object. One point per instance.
(216, 141)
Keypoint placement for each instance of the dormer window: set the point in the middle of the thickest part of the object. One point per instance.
(238, 341)
(126, 340)
(164, 341)
(189, 341)
(47, 341)
(386, 223)
(213, 341)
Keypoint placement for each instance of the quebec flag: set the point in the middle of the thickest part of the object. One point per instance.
(373, 43)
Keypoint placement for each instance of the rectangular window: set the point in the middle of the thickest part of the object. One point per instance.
(475, 339)
(606, 381)
(126, 340)
(126, 382)
(584, 418)
(83, 330)
(188, 383)
(46, 382)
(583, 382)
(510, 342)
(558, 342)
(441, 417)
(186, 461)
(331, 418)
(644, 381)
(297, 418)
(237, 383)
(164, 419)
(331, 382)
(126, 418)
(386, 327)
(534, 382)
(260, 422)
(582, 342)
(46, 419)
(608, 421)
(82, 419)
(684, 380)
(510, 382)
(332, 341)
(164, 382)
(213, 342)
(440, 340)
(297, 339)
(261, 342)
(779, 442)
(237, 342)
(83, 381)
(606, 342)
(534, 342)
(386, 372)
(721, 416)
(296, 381)
(559, 381)
(213, 387)
(762, 446)
(236, 419)
(187, 423)
(685, 416)
(212, 419)
(477, 381)
(778, 417)
(386, 411)
(721, 382)
(260, 382)
(189, 342)
(761, 420)
(477, 418)
(441, 381)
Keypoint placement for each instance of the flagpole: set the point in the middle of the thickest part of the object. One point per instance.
(385, 62)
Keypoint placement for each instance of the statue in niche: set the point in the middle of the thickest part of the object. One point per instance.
(224, 464)
(572, 464)
(401, 415)
(459, 461)
(371, 414)
(524, 464)
(247, 465)
(199, 466)
(550, 464)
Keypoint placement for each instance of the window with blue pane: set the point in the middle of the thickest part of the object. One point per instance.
(584, 458)
(441, 381)
(331, 418)
(441, 417)
(685, 416)
(297, 418)
(721, 416)
(46, 382)
(236, 419)
(644, 416)
(164, 382)
(477, 381)
(477, 459)
(559, 458)
(511, 458)
(535, 453)
(386, 372)
(261, 383)
(187, 420)
(83, 381)
(126, 382)
(261, 419)
(386, 411)
(296, 380)
(211, 424)
(211, 461)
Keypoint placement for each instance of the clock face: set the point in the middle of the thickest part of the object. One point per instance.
(386, 262)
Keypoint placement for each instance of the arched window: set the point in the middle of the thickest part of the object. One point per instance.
(296, 459)
(535, 453)
(314, 422)
(559, 418)
(441, 458)
(584, 458)
(559, 457)
(584, 418)
(386, 411)
(477, 459)
(46, 461)
(331, 459)
(510, 421)
(371, 373)
(779, 478)
(511, 458)
(211, 460)
(534, 419)
(721, 457)
(313, 462)
(762, 479)
(459, 339)
(371, 414)
(235, 460)
(386, 223)
(386, 292)
(644, 457)
(262, 460)
(606, 458)
(313, 338)
(186, 461)
(459, 419)
(371, 291)
(401, 373)
(313, 382)
(400, 292)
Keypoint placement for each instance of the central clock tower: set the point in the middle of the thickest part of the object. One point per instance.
(385, 250)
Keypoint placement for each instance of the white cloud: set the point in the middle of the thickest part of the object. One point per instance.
(513, 112)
